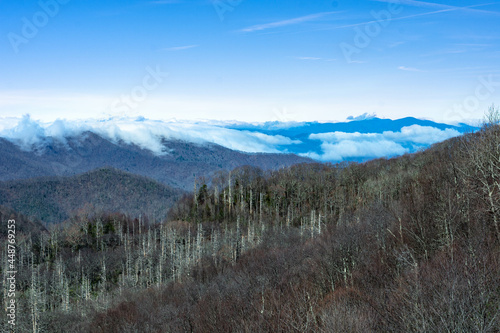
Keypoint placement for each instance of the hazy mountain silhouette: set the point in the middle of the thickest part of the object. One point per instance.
(177, 167)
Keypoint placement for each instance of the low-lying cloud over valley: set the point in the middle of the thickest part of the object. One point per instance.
(334, 142)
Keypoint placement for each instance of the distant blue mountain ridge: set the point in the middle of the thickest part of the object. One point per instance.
(370, 129)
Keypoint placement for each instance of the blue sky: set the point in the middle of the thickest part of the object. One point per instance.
(249, 60)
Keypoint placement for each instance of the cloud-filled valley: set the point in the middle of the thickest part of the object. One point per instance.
(366, 138)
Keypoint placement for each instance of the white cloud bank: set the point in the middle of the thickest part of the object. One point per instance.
(142, 132)
(148, 134)
(349, 149)
(338, 146)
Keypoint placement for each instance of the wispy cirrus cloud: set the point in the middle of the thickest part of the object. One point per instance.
(180, 48)
(283, 23)
(409, 69)
(314, 59)
(307, 58)
(396, 44)
(426, 4)
(164, 2)
(444, 9)
(444, 52)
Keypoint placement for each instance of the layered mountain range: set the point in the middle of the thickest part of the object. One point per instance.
(54, 181)
(178, 167)
(53, 171)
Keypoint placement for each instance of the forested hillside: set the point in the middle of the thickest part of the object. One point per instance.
(56, 199)
(25, 224)
(409, 244)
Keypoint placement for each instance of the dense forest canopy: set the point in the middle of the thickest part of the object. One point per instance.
(408, 244)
